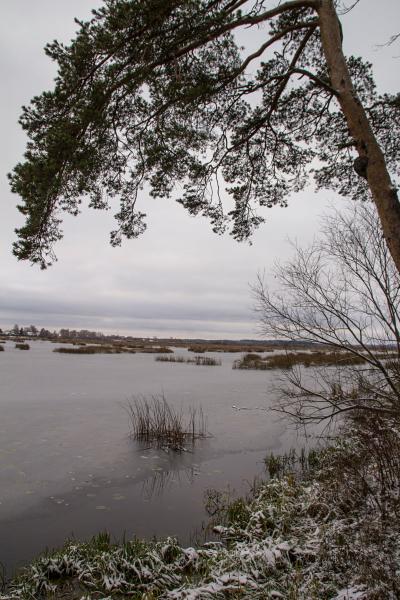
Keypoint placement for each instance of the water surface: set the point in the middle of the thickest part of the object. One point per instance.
(68, 466)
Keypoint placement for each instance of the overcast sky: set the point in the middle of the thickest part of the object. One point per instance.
(178, 279)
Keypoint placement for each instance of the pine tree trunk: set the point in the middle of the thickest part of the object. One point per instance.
(383, 191)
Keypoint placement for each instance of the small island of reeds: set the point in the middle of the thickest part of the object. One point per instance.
(93, 350)
(199, 348)
(109, 349)
(156, 422)
(22, 346)
(208, 361)
(306, 359)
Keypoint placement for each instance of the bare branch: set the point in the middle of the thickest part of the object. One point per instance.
(342, 292)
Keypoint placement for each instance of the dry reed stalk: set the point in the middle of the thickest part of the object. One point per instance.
(154, 421)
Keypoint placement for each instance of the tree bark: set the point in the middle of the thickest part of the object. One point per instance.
(382, 189)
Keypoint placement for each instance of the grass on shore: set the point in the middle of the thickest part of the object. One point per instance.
(197, 360)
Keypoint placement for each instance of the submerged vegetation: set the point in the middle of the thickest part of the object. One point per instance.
(197, 360)
(155, 421)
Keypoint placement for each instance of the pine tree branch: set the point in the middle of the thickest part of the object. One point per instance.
(316, 80)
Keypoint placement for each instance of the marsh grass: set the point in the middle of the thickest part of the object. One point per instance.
(174, 359)
(111, 349)
(306, 359)
(94, 350)
(207, 361)
(153, 349)
(250, 361)
(22, 346)
(154, 421)
(201, 348)
(197, 360)
(292, 462)
(224, 507)
(101, 347)
(1, 348)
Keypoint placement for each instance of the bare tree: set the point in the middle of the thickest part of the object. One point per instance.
(344, 292)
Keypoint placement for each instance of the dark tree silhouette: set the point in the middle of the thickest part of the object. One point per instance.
(157, 92)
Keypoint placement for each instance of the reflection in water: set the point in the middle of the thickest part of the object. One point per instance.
(68, 466)
(160, 481)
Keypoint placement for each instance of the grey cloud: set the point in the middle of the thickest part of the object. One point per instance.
(178, 277)
(181, 309)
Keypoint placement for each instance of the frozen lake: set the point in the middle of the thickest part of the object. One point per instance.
(69, 468)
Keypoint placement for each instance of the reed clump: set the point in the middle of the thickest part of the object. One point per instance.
(80, 347)
(250, 361)
(153, 350)
(94, 350)
(172, 359)
(220, 347)
(292, 462)
(155, 421)
(306, 359)
(311, 359)
(1, 348)
(208, 361)
(22, 346)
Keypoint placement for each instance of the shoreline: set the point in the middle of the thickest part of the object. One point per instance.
(301, 536)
